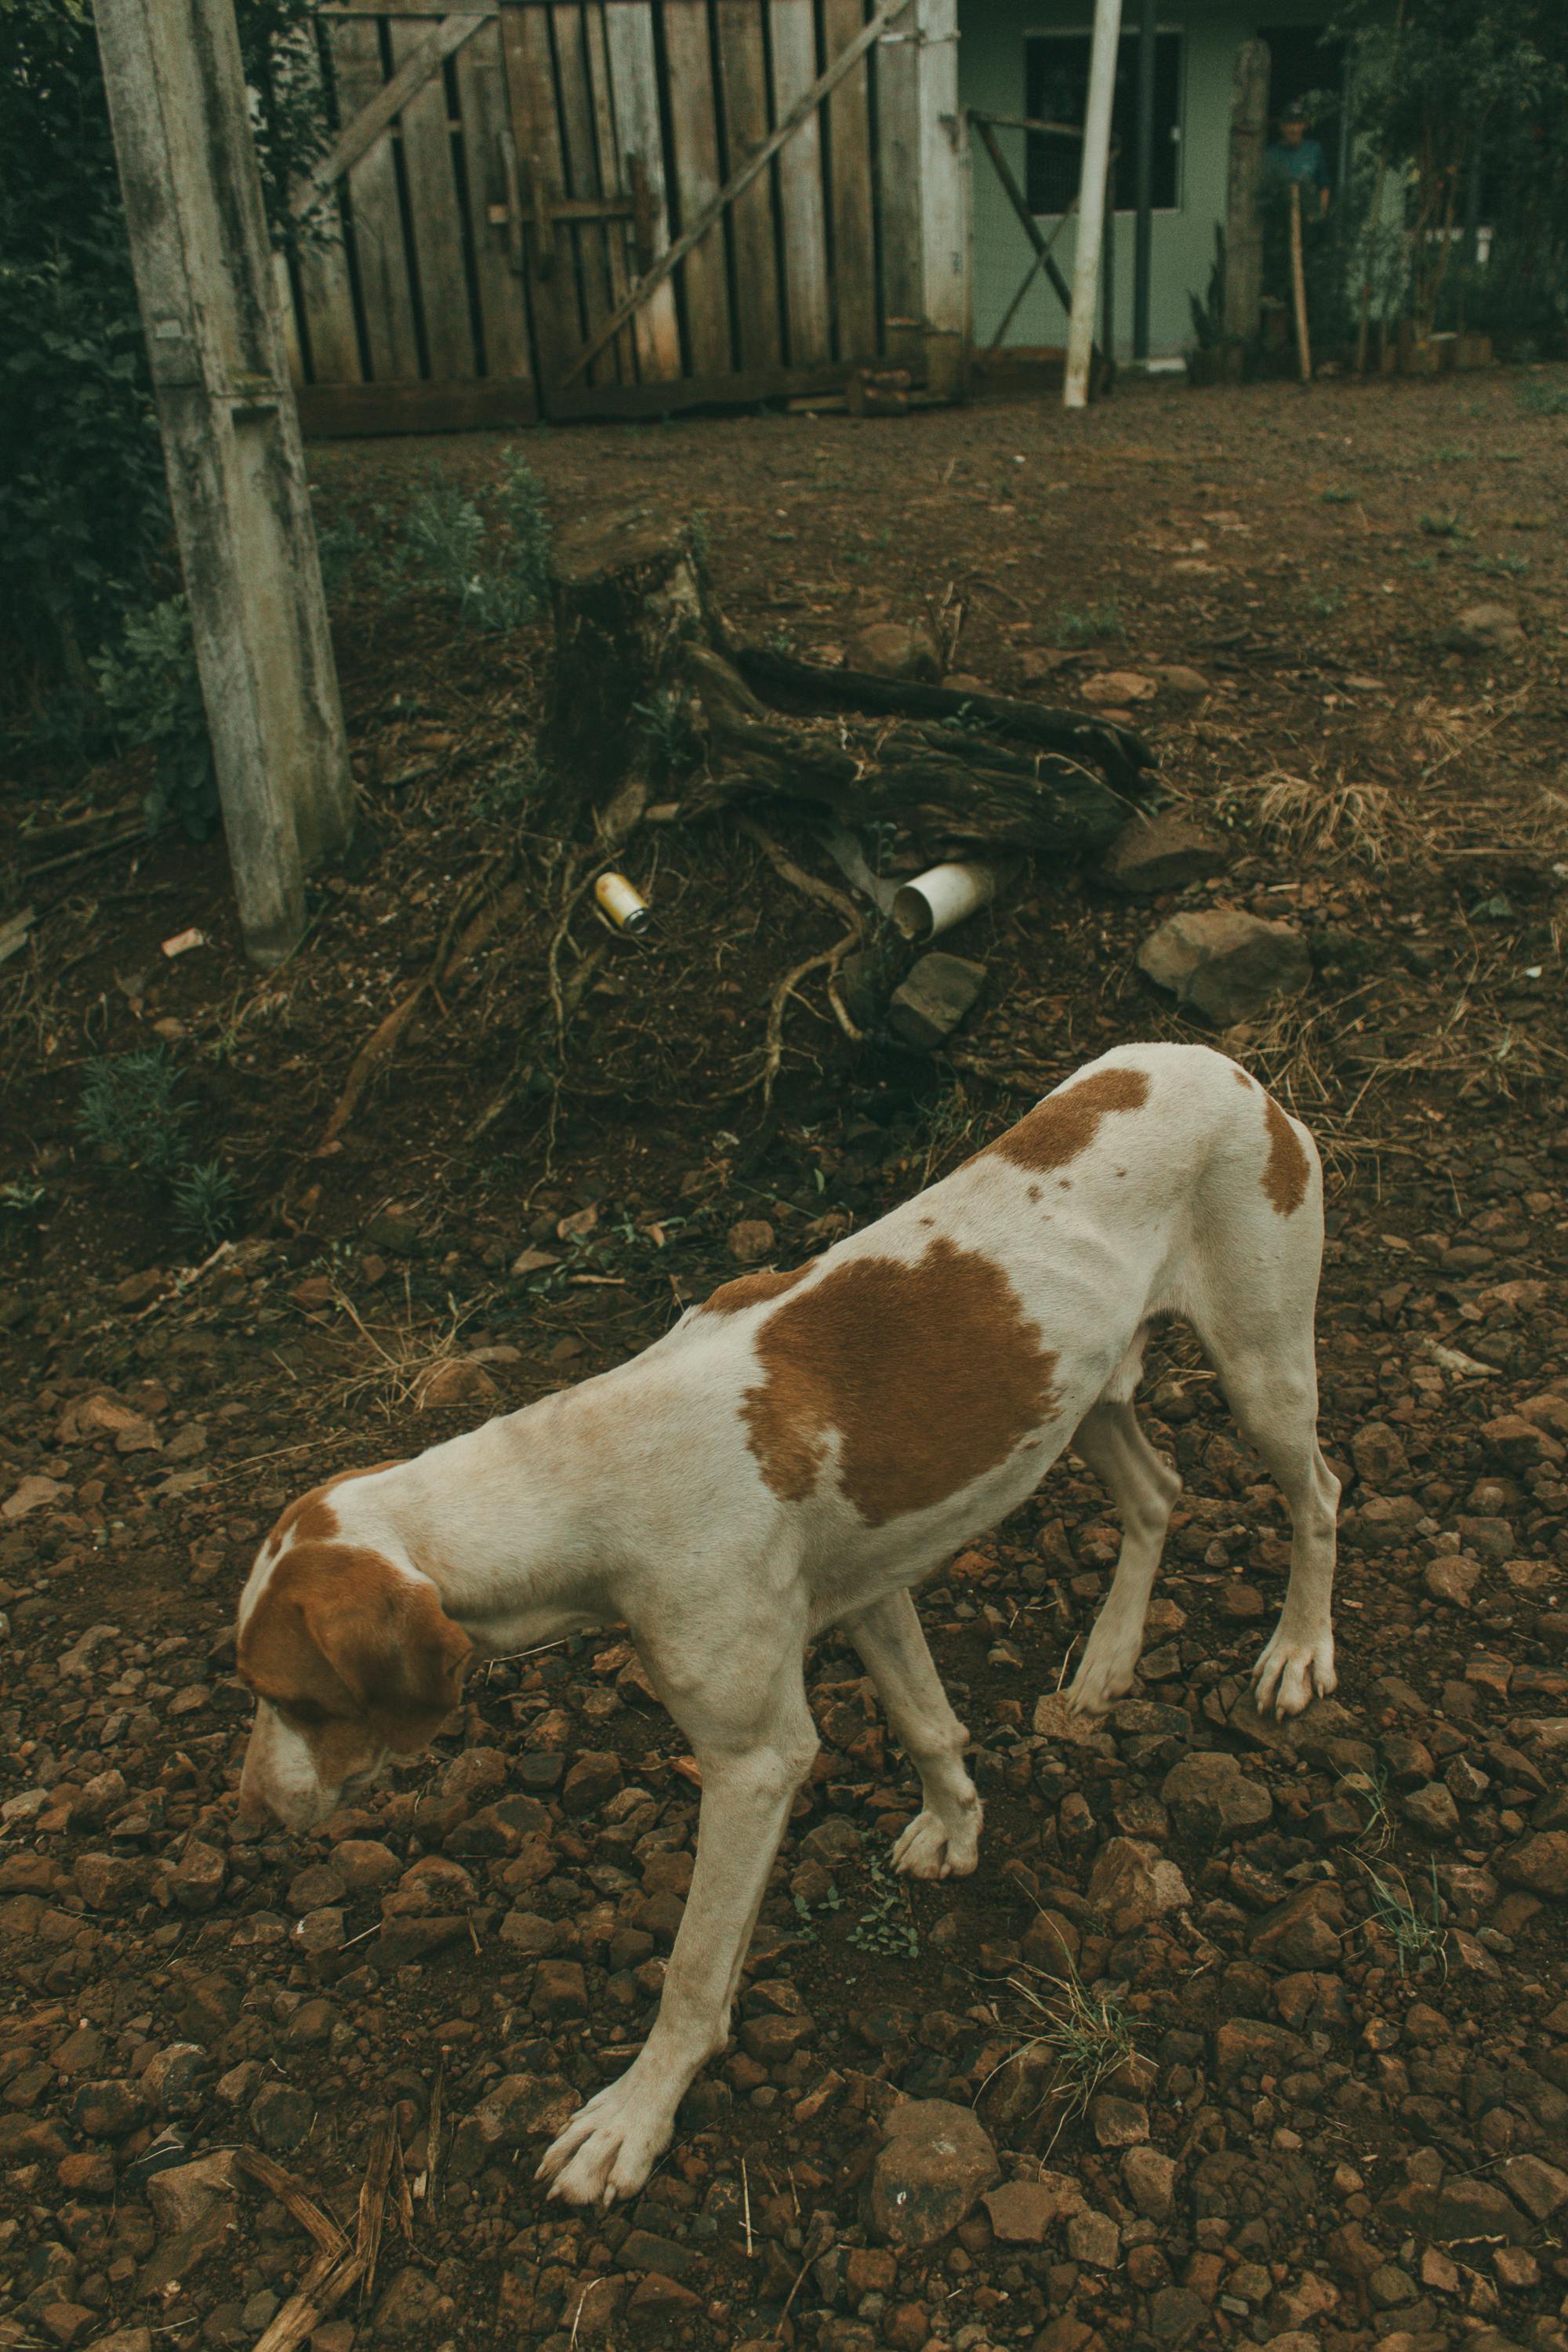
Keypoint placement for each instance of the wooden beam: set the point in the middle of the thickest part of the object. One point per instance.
(1031, 227)
(356, 137)
(205, 281)
(469, 404)
(755, 163)
(1244, 220)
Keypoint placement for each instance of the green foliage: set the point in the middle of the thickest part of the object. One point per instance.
(205, 1203)
(886, 1921)
(666, 731)
(492, 567)
(151, 699)
(84, 525)
(1547, 399)
(1339, 495)
(130, 1110)
(1443, 526)
(1208, 316)
(1081, 625)
(133, 1112)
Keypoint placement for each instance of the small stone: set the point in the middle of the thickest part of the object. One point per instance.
(1451, 1580)
(412, 2310)
(1150, 2181)
(455, 1381)
(1539, 1864)
(931, 1001)
(109, 1882)
(591, 1782)
(1485, 629)
(196, 1880)
(281, 2116)
(1025, 2213)
(365, 1865)
(1378, 1454)
(1176, 2313)
(1210, 1798)
(896, 649)
(1134, 1885)
(34, 1495)
(1165, 852)
(935, 2163)
(1228, 965)
(1304, 1932)
(1432, 1808)
(1119, 687)
(1536, 2185)
(750, 1240)
(1094, 2239)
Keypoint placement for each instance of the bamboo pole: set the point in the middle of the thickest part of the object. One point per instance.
(1299, 286)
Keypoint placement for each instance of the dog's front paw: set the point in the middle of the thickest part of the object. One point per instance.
(1293, 1671)
(611, 2144)
(932, 1848)
(1101, 1680)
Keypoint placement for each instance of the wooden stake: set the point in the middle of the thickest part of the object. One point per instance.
(206, 287)
(1299, 285)
(1096, 164)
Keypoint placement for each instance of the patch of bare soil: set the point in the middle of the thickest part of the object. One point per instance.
(1262, 2034)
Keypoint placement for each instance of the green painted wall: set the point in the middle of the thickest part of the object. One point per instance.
(991, 77)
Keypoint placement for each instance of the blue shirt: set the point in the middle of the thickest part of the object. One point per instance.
(1304, 162)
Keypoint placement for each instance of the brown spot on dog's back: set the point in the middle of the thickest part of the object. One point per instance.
(928, 1374)
(310, 1518)
(1286, 1176)
(1241, 1077)
(1067, 1122)
(753, 1289)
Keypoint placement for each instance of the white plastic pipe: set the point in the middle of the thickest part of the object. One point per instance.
(940, 897)
(1091, 200)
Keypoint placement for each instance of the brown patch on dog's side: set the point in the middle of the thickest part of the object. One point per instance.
(751, 1289)
(929, 1374)
(353, 1654)
(1288, 1170)
(310, 1518)
(1067, 1123)
(1241, 1077)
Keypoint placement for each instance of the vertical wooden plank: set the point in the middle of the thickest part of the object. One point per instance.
(326, 297)
(944, 221)
(435, 212)
(898, 180)
(808, 311)
(849, 156)
(326, 291)
(742, 63)
(584, 241)
(634, 94)
(530, 95)
(377, 220)
(287, 322)
(698, 182)
(612, 178)
(498, 241)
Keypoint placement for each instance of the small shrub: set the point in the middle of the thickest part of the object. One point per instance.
(1443, 526)
(495, 574)
(1338, 494)
(130, 1110)
(666, 730)
(151, 698)
(205, 1203)
(1081, 624)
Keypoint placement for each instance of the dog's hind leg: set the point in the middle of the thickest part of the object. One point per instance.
(1144, 1487)
(943, 1840)
(752, 1731)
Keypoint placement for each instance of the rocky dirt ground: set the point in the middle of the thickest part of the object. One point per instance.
(1243, 2033)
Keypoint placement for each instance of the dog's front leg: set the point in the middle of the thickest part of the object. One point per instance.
(610, 2146)
(943, 1840)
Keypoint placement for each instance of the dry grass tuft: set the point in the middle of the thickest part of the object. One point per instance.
(1368, 825)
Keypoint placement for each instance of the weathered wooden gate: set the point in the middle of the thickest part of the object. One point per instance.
(622, 208)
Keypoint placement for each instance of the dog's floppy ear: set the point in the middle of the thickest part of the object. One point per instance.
(388, 1640)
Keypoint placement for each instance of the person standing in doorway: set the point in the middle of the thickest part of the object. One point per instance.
(1294, 156)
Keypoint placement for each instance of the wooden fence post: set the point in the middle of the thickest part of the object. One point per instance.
(945, 206)
(231, 447)
(1244, 217)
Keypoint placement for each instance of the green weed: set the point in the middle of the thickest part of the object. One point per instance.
(1088, 2037)
(150, 697)
(886, 1923)
(205, 1203)
(1544, 399)
(1370, 1789)
(1325, 602)
(1444, 526)
(1419, 1941)
(1338, 494)
(1506, 567)
(130, 1110)
(494, 572)
(667, 733)
(1081, 625)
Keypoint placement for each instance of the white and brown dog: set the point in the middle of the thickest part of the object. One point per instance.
(798, 1453)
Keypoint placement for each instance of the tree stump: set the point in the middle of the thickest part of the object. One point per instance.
(629, 596)
(647, 678)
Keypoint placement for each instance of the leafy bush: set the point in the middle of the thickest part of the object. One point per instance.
(151, 699)
(84, 521)
(130, 1110)
(494, 568)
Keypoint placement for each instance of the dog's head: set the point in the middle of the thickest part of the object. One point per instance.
(350, 1660)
